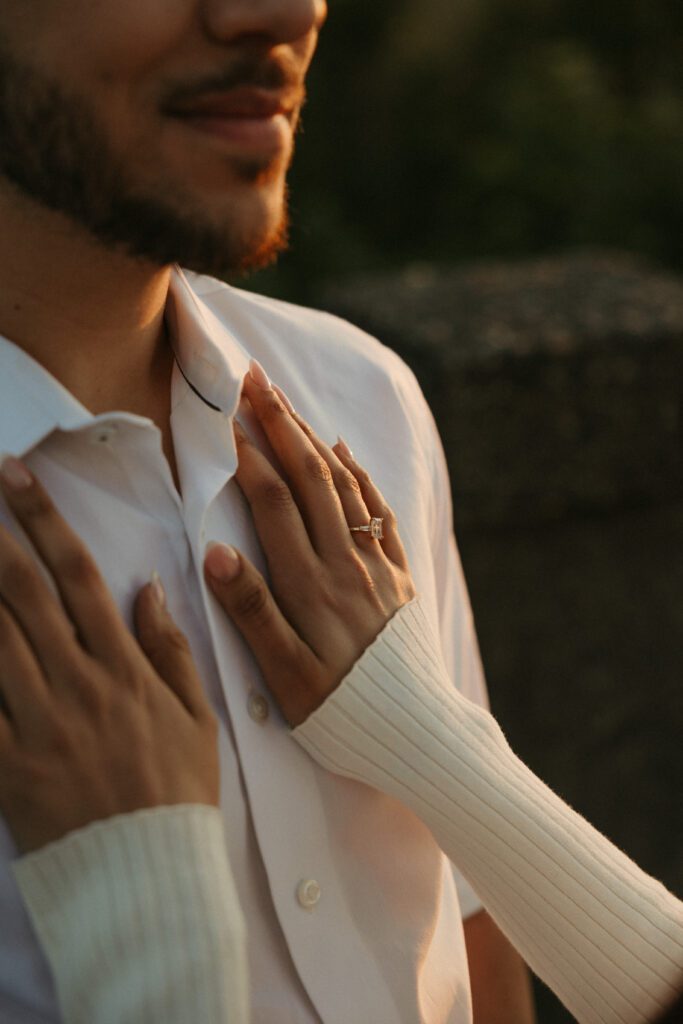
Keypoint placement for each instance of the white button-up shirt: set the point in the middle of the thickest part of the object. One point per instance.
(352, 911)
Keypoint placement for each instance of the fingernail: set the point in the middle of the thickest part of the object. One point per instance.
(285, 401)
(239, 430)
(344, 448)
(15, 474)
(222, 562)
(158, 589)
(259, 375)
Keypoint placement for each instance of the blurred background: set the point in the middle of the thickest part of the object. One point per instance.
(494, 188)
(465, 129)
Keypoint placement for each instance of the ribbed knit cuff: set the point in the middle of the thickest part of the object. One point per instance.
(140, 920)
(606, 937)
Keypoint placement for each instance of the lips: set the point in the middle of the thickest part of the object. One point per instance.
(249, 122)
(240, 104)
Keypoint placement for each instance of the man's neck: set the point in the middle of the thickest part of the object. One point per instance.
(93, 318)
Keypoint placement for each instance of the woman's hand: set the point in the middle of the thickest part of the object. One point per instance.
(92, 723)
(333, 591)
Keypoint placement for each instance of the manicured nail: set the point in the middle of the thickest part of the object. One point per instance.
(285, 401)
(239, 430)
(344, 448)
(259, 375)
(222, 562)
(15, 474)
(158, 589)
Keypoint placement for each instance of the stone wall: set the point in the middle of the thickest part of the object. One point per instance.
(557, 388)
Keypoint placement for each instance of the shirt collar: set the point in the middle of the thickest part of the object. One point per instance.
(33, 403)
(210, 358)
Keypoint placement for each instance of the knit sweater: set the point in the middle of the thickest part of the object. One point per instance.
(139, 918)
(154, 928)
(606, 937)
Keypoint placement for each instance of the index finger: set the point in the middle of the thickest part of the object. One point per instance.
(84, 594)
(308, 473)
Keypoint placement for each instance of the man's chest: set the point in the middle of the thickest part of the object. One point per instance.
(288, 823)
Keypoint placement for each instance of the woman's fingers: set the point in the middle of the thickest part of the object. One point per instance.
(348, 489)
(358, 496)
(83, 592)
(375, 502)
(290, 668)
(23, 690)
(308, 473)
(34, 607)
(277, 518)
(167, 648)
(292, 560)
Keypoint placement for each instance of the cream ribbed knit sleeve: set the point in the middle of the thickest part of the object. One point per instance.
(606, 937)
(140, 921)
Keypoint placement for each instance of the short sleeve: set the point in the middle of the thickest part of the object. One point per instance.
(457, 632)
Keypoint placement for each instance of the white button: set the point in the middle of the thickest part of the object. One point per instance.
(308, 893)
(103, 433)
(258, 708)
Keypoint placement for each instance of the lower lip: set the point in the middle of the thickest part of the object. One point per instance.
(252, 134)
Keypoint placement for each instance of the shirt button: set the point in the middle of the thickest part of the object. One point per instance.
(103, 433)
(308, 893)
(258, 708)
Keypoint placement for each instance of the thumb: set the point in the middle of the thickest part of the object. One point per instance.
(167, 647)
(283, 657)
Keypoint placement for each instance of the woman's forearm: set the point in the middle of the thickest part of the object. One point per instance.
(606, 937)
(139, 919)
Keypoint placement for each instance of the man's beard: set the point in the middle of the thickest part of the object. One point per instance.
(53, 150)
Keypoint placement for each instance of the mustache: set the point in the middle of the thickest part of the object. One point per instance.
(280, 74)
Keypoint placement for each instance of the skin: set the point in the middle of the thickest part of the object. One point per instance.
(66, 295)
(85, 256)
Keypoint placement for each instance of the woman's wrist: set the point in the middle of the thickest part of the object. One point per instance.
(132, 893)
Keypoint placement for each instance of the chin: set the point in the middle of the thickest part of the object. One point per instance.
(246, 236)
(256, 227)
(260, 252)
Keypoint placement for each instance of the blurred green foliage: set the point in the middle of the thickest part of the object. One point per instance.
(452, 130)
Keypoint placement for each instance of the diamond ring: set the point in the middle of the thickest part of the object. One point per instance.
(374, 528)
